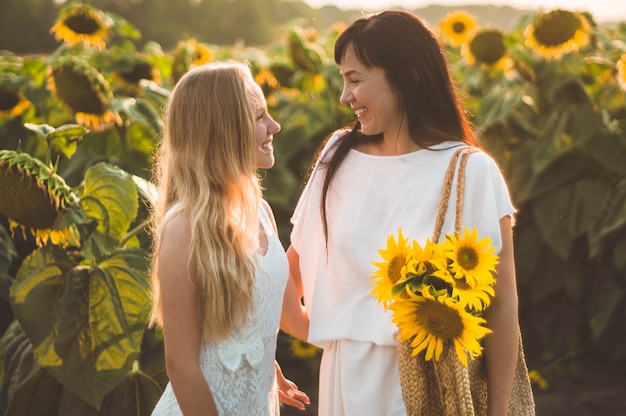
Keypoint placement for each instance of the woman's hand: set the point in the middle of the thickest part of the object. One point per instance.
(288, 392)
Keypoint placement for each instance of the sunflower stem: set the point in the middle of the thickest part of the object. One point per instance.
(567, 356)
(122, 131)
(135, 231)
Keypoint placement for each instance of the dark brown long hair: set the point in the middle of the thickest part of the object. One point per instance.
(404, 46)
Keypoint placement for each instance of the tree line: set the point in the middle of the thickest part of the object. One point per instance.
(25, 24)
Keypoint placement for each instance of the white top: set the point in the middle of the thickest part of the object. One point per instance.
(369, 199)
(240, 370)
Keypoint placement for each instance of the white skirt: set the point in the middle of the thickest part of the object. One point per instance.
(360, 379)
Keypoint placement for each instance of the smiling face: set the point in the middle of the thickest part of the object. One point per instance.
(370, 95)
(265, 128)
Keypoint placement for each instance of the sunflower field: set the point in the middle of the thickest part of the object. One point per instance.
(78, 129)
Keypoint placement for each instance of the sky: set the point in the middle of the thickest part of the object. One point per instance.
(601, 10)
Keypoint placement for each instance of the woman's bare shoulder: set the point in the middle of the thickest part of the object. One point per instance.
(175, 238)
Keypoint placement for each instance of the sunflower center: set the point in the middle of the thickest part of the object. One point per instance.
(488, 46)
(556, 28)
(458, 27)
(82, 23)
(394, 272)
(440, 320)
(25, 200)
(139, 71)
(467, 257)
(77, 90)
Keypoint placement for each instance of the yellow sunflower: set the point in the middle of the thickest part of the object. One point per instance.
(12, 102)
(335, 30)
(392, 269)
(620, 69)
(268, 82)
(472, 260)
(456, 25)
(473, 298)
(34, 198)
(201, 54)
(557, 33)
(421, 257)
(81, 23)
(427, 266)
(302, 349)
(84, 90)
(537, 379)
(486, 47)
(430, 323)
(188, 54)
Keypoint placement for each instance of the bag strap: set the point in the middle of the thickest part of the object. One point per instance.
(464, 153)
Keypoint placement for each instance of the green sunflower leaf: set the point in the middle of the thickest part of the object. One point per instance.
(8, 252)
(138, 110)
(72, 405)
(612, 217)
(500, 104)
(137, 394)
(123, 27)
(65, 138)
(611, 298)
(154, 90)
(14, 348)
(110, 197)
(147, 189)
(42, 130)
(85, 323)
(566, 213)
(38, 395)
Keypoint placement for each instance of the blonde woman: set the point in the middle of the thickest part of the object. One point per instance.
(220, 273)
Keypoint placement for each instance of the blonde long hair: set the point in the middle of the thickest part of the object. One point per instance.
(206, 165)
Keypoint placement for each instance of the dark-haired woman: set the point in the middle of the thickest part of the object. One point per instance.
(383, 172)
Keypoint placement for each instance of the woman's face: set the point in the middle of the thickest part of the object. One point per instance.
(265, 128)
(370, 95)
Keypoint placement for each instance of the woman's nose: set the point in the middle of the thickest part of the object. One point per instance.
(346, 96)
(274, 127)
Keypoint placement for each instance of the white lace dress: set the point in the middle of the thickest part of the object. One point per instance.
(240, 370)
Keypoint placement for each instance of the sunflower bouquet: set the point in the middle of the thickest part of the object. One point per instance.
(437, 292)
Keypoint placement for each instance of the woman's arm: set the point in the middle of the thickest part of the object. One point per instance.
(501, 347)
(294, 269)
(181, 326)
(294, 319)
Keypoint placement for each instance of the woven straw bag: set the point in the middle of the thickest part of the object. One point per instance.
(446, 387)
